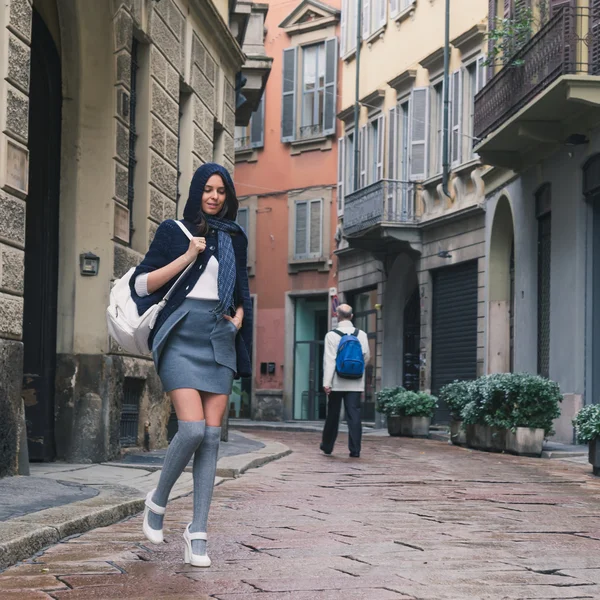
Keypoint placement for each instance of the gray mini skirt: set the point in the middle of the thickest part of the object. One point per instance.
(196, 349)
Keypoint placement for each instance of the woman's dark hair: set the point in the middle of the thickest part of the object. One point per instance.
(229, 210)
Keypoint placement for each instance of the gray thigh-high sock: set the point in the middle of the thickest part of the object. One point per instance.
(205, 467)
(188, 437)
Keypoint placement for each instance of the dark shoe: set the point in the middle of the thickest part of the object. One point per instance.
(324, 451)
(354, 455)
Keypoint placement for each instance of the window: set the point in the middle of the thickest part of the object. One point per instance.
(374, 16)
(419, 133)
(399, 6)
(253, 135)
(243, 218)
(474, 80)
(313, 90)
(455, 117)
(309, 225)
(375, 151)
(350, 162)
(312, 111)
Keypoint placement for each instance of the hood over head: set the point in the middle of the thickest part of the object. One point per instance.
(201, 176)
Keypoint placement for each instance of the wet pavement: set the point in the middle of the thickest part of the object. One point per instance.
(410, 519)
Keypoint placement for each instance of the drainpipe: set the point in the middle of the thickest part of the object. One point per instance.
(445, 143)
(357, 95)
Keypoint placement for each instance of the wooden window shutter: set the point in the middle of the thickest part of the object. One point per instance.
(366, 19)
(392, 144)
(301, 229)
(288, 108)
(456, 116)
(343, 27)
(380, 150)
(331, 61)
(341, 176)
(419, 131)
(316, 226)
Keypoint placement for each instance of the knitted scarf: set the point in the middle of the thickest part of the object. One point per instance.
(227, 268)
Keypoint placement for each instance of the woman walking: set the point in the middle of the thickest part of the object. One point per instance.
(201, 340)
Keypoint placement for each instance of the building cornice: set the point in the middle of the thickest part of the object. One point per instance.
(222, 36)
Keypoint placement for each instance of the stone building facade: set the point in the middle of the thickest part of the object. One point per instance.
(109, 106)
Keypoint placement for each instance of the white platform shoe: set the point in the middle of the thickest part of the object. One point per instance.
(153, 535)
(196, 560)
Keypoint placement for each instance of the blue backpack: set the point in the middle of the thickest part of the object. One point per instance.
(349, 362)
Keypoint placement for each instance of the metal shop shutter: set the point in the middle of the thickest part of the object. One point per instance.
(454, 328)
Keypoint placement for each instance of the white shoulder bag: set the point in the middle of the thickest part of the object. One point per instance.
(130, 330)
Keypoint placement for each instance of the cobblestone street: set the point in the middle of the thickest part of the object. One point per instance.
(410, 519)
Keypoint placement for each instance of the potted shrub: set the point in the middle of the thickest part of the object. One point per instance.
(587, 425)
(457, 395)
(388, 405)
(532, 415)
(416, 409)
(408, 413)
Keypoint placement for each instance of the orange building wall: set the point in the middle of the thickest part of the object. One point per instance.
(270, 178)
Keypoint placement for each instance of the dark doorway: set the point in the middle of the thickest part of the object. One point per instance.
(41, 242)
(454, 329)
(412, 337)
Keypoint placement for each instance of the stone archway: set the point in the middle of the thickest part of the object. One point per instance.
(402, 281)
(501, 289)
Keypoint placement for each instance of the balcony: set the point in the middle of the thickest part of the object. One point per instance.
(258, 65)
(381, 217)
(524, 112)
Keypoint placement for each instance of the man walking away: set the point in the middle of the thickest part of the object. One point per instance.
(346, 353)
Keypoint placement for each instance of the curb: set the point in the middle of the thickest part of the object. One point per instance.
(25, 536)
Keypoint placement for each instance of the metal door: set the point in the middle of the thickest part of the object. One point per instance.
(454, 328)
(41, 242)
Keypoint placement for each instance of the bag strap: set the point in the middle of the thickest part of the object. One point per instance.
(185, 272)
(356, 333)
(339, 332)
(185, 230)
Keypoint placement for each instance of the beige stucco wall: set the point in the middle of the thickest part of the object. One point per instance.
(409, 42)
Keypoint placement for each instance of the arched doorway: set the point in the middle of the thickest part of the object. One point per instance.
(501, 290)
(41, 240)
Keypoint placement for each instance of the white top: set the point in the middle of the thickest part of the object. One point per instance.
(206, 287)
(332, 342)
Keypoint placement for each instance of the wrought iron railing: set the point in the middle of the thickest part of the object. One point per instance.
(568, 43)
(242, 143)
(384, 202)
(311, 131)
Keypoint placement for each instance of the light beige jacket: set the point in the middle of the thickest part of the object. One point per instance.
(332, 342)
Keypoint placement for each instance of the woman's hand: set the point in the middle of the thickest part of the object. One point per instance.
(236, 320)
(197, 246)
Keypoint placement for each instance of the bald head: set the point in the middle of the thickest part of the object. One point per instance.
(344, 312)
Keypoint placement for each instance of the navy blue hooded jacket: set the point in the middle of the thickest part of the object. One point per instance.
(170, 243)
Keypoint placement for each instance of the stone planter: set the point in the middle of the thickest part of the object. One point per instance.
(458, 435)
(483, 437)
(478, 437)
(525, 441)
(415, 426)
(594, 455)
(497, 439)
(394, 426)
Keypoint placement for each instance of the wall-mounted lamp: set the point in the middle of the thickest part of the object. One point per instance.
(378, 306)
(444, 254)
(89, 264)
